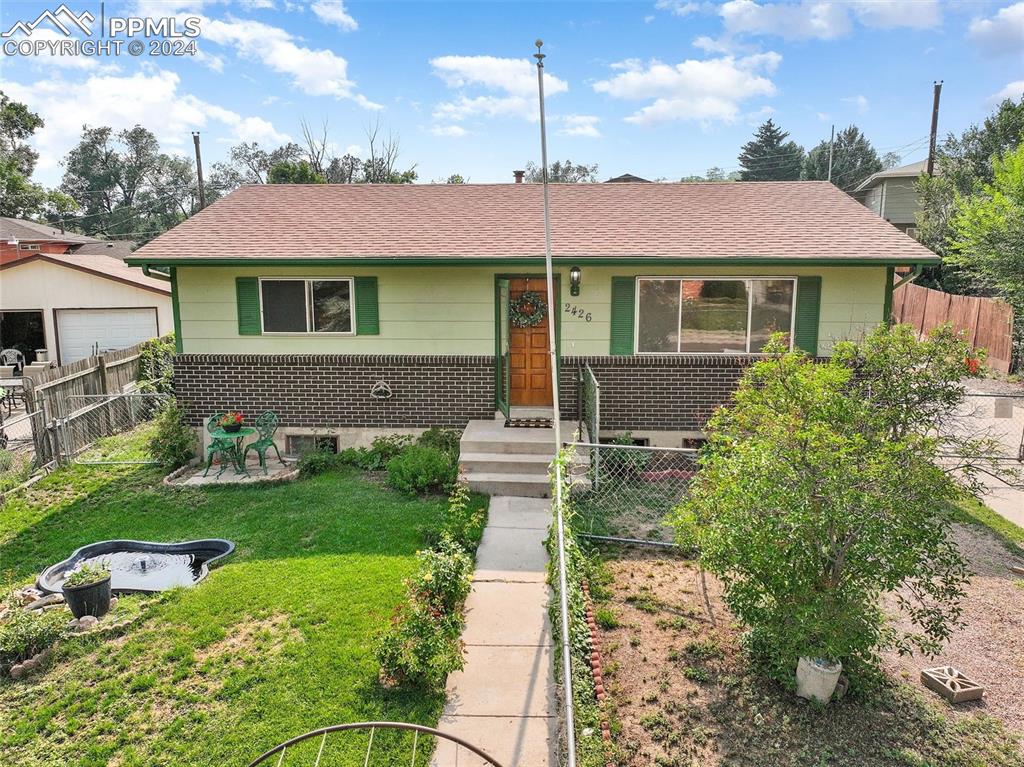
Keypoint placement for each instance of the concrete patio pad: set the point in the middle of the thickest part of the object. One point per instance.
(502, 681)
(499, 615)
(511, 554)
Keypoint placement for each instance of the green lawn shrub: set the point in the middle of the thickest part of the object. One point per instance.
(419, 469)
(25, 633)
(445, 440)
(173, 443)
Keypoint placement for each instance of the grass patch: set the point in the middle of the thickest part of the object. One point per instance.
(973, 512)
(273, 643)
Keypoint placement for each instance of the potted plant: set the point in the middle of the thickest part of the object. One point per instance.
(87, 591)
(231, 421)
(816, 678)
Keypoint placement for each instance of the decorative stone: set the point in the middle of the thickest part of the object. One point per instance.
(842, 687)
(73, 624)
(952, 684)
(86, 622)
(49, 599)
(28, 665)
(17, 671)
(113, 602)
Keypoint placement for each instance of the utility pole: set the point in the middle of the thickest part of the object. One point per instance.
(199, 170)
(935, 128)
(570, 724)
(831, 147)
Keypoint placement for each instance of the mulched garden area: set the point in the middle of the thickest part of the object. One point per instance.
(681, 691)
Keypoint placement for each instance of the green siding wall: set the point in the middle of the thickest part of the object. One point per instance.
(450, 310)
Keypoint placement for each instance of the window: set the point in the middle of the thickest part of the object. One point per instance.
(297, 444)
(306, 306)
(713, 315)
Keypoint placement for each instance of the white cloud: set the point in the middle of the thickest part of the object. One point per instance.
(151, 98)
(823, 19)
(1003, 33)
(257, 5)
(677, 7)
(316, 72)
(451, 131)
(514, 81)
(860, 101)
(333, 12)
(708, 90)
(1013, 91)
(579, 125)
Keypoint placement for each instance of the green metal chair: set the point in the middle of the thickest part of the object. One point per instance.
(266, 425)
(222, 445)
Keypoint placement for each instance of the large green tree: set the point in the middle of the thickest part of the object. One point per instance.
(125, 186)
(20, 197)
(769, 157)
(294, 173)
(853, 159)
(821, 491)
(987, 236)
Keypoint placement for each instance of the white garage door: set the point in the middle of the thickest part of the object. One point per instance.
(82, 332)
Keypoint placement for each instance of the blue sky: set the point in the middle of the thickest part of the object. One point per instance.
(660, 88)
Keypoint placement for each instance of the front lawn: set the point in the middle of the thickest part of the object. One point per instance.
(275, 642)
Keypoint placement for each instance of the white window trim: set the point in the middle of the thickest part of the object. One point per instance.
(730, 278)
(309, 306)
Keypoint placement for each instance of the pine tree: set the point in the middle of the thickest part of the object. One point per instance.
(769, 157)
(853, 160)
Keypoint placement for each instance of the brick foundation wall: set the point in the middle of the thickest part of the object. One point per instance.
(641, 392)
(656, 393)
(334, 390)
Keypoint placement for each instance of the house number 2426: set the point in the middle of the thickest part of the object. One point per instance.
(574, 311)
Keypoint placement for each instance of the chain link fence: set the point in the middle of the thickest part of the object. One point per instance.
(25, 445)
(626, 490)
(998, 419)
(91, 420)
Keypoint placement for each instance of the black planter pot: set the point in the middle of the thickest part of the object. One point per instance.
(91, 599)
(233, 428)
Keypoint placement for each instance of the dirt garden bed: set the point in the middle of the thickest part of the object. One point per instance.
(680, 690)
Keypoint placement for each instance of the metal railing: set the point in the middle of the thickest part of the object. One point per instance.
(629, 489)
(590, 411)
(314, 755)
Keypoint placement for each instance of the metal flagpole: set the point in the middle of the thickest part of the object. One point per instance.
(570, 723)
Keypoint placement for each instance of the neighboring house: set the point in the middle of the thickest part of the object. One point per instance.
(347, 308)
(627, 178)
(59, 294)
(892, 194)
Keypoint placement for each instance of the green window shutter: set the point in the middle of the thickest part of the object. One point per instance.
(367, 307)
(808, 312)
(247, 291)
(623, 309)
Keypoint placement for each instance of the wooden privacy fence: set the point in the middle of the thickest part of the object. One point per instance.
(988, 322)
(107, 373)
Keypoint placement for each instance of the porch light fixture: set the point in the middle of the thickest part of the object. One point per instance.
(575, 276)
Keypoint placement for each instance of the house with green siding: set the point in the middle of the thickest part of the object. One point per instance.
(352, 310)
(892, 194)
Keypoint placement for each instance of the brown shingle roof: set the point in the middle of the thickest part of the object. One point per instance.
(101, 266)
(766, 220)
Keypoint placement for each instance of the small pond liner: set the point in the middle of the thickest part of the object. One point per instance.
(141, 566)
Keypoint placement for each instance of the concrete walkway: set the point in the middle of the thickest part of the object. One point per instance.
(504, 700)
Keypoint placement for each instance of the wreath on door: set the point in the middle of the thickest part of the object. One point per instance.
(527, 311)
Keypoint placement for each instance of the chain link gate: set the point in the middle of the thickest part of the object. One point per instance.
(998, 418)
(90, 419)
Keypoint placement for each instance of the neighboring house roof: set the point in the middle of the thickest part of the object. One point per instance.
(114, 248)
(781, 222)
(627, 178)
(913, 170)
(101, 266)
(33, 231)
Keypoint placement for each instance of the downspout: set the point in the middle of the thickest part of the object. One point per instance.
(910, 277)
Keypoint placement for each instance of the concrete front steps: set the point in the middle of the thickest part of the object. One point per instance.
(509, 461)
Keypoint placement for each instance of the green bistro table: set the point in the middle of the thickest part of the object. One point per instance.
(239, 437)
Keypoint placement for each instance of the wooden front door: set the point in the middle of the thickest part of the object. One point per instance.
(529, 358)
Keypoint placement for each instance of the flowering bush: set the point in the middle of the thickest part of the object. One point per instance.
(421, 646)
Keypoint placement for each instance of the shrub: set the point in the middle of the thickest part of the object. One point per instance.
(464, 520)
(820, 490)
(315, 462)
(445, 440)
(173, 444)
(156, 365)
(420, 648)
(443, 577)
(26, 633)
(383, 450)
(420, 469)
(624, 463)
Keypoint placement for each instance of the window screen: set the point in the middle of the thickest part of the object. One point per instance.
(284, 306)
